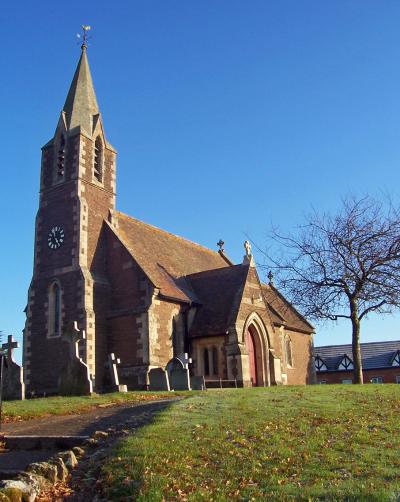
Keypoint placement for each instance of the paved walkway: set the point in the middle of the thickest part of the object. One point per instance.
(83, 424)
(118, 417)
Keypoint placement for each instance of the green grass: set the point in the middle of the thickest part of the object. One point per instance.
(288, 443)
(35, 408)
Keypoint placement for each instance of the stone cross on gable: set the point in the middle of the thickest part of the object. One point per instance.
(247, 247)
(9, 346)
(111, 364)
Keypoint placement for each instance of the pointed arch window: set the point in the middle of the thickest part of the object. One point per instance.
(98, 160)
(215, 361)
(346, 363)
(61, 159)
(288, 351)
(396, 359)
(320, 364)
(206, 363)
(54, 310)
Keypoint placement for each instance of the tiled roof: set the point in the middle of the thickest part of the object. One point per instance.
(373, 354)
(163, 256)
(283, 312)
(188, 272)
(219, 293)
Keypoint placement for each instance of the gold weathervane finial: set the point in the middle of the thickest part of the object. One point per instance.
(84, 36)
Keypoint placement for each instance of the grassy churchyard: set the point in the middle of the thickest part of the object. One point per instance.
(288, 443)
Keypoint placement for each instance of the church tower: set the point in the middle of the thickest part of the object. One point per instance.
(77, 192)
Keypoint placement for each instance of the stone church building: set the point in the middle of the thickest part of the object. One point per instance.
(140, 292)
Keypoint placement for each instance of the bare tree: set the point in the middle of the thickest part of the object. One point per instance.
(345, 265)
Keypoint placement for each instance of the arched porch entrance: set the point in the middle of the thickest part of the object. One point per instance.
(256, 353)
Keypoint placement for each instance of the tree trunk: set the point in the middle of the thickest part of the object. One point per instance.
(355, 322)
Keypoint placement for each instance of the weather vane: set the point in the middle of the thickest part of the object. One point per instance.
(84, 36)
(220, 244)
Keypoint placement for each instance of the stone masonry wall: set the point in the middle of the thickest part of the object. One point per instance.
(302, 370)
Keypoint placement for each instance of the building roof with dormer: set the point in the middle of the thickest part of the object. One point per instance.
(374, 355)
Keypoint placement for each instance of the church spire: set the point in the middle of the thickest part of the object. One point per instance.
(81, 103)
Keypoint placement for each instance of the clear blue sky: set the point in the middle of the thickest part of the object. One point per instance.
(227, 115)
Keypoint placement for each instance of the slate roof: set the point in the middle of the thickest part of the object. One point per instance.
(374, 354)
(283, 312)
(165, 257)
(219, 293)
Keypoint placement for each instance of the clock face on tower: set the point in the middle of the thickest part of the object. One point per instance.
(55, 237)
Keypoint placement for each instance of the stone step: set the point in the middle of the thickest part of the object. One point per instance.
(16, 461)
(59, 443)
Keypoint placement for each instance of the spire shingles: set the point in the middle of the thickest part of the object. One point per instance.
(81, 104)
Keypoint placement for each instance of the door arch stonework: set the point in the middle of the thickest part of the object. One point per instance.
(255, 357)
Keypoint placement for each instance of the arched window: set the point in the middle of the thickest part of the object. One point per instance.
(55, 310)
(206, 364)
(288, 351)
(215, 360)
(98, 159)
(61, 159)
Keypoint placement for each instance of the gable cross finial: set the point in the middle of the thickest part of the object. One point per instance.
(84, 36)
(247, 247)
(271, 277)
(220, 244)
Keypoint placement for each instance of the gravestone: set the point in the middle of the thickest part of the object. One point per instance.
(197, 383)
(158, 379)
(111, 364)
(179, 378)
(74, 377)
(13, 373)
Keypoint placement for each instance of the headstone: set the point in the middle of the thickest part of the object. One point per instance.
(111, 364)
(158, 379)
(197, 383)
(74, 377)
(13, 373)
(179, 378)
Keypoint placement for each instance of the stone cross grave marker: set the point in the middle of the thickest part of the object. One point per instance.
(186, 360)
(111, 364)
(74, 376)
(9, 346)
(13, 375)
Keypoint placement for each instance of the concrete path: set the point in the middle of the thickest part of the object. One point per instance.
(83, 424)
(117, 417)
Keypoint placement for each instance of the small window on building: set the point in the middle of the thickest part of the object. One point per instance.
(319, 364)
(55, 310)
(98, 159)
(396, 359)
(61, 159)
(347, 381)
(323, 382)
(288, 351)
(206, 363)
(215, 360)
(397, 378)
(346, 363)
(377, 379)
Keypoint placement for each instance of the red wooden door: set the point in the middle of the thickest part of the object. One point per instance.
(252, 358)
